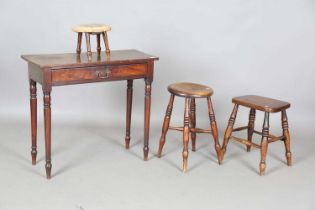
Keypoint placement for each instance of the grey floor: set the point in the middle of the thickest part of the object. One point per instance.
(92, 170)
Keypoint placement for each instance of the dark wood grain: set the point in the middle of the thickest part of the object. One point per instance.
(186, 89)
(251, 127)
(166, 124)
(33, 107)
(264, 144)
(261, 103)
(287, 139)
(186, 134)
(47, 125)
(69, 60)
(267, 105)
(214, 129)
(193, 123)
(128, 112)
(72, 68)
(229, 128)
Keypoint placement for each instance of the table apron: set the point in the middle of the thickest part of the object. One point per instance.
(98, 74)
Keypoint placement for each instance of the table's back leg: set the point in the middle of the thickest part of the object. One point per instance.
(128, 113)
(33, 107)
(147, 107)
(47, 124)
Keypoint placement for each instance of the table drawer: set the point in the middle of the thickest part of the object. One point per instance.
(89, 74)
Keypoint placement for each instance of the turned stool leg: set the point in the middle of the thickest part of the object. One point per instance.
(264, 144)
(251, 126)
(186, 134)
(98, 40)
(166, 124)
(214, 130)
(229, 128)
(106, 42)
(79, 42)
(193, 123)
(286, 135)
(88, 44)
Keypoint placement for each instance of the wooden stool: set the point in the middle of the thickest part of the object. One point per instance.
(266, 105)
(94, 29)
(190, 91)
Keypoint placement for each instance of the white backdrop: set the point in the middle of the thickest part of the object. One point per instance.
(237, 47)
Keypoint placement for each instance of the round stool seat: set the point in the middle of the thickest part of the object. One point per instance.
(91, 28)
(186, 89)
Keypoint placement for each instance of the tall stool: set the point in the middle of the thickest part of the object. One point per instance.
(266, 105)
(190, 92)
(92, 29)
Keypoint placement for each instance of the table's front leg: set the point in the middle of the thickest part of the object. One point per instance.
(47, 124)
(147, 107)
(128, 112)
(33, 107)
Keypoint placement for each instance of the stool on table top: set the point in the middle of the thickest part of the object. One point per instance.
(190, 92)
(92, 29)
(266, 105)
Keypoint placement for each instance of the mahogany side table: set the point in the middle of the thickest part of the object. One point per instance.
(67, 69)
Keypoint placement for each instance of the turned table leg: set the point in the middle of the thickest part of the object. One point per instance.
(128, 113)
(186, 134)
(79, 42)
(286, 134)
(193, 123)
(166, 124)
(229, 128)
(147, 107)
(47, 124)
(214, 130)
(250, 129)
(33, 106)
(264, 144)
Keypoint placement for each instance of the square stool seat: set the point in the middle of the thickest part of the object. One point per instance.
(261, 103)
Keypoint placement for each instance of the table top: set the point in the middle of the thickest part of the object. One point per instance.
(69, 60)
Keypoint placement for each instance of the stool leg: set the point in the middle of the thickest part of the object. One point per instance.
(193, 123)
(166, 124)
(98, 40)
(79, 42)
(229, 128)
(286, 135)
(186, 134)
(251, 125)
(214, 130)
(88, 44)
(106, 42)
(264, 144)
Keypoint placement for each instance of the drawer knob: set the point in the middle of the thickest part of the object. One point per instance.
(104, 74)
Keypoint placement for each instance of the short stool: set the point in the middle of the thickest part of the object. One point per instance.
(267, 105)
(92, 29)
(190, 92)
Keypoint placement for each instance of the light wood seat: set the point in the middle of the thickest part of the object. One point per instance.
(186, 89)
(91, 28)
(261, 103)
